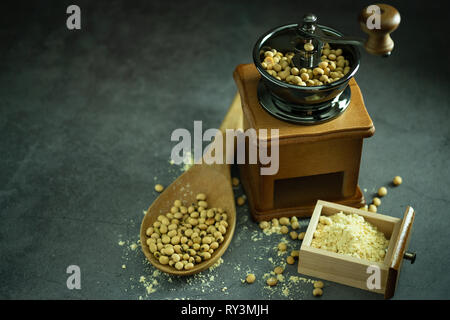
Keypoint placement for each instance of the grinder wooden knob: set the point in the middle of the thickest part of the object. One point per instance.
(378, 21)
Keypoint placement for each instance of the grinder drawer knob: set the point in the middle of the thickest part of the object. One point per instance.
(411, 256)
(378, 21)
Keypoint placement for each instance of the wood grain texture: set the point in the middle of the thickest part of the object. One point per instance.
(354, 122)
(349, 270)
(401, 245)
(304, 211)
(213, 180)
(339, 268)
(315, 162)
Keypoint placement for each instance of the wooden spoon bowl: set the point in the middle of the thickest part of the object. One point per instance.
(212, 180)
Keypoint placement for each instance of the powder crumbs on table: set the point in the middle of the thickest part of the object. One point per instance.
(280, 277)
(256, 236)
(287, 286)
(156, 273)
(188, 161)
(149, 284)
(272, 230)
(150, 288)
(296, 279)
(279, 252)
(218, 263)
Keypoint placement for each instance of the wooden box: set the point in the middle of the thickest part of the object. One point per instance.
(352, 271)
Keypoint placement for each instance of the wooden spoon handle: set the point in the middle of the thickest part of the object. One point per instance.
(233, 120)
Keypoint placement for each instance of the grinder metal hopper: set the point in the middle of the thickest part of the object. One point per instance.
(316, 104)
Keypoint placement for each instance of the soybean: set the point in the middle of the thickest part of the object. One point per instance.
(294, 235)
(308, 47)
(397, 181)
(278, 270)
(318, 284)
(382, 191)
(272, 281)
(282, 246)
(241, 200)
(317, 292)
(250, 278)
(264, 225)
(281, 67)
(187, 235)
(376, 201)
(290, 260)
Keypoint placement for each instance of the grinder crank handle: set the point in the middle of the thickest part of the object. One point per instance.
(320, 35)
(379, 21)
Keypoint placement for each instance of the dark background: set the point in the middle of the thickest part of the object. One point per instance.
(86, 118)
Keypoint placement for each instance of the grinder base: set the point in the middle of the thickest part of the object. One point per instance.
(301, 210)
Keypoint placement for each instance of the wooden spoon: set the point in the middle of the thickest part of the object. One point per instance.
(213, 180)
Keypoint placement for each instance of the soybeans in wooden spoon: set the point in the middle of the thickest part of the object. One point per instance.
(213, 180)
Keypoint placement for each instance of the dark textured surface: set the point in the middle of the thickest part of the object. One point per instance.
(85, 124)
